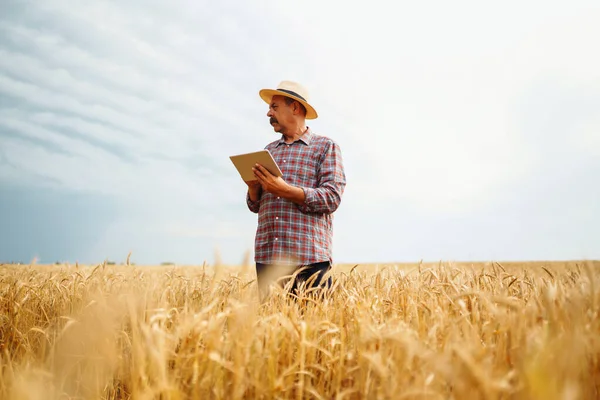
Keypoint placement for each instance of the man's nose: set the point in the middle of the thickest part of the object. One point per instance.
(270, 113)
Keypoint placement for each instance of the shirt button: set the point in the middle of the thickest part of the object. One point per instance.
(276, 238)
(283, 160)
(276, 217)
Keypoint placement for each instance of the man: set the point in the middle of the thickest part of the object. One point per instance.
(295, 212)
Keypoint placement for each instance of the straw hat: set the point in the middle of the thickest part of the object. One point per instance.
(293, 90)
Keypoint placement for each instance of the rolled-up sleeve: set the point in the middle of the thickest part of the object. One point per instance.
(326, 197)
(253, 206)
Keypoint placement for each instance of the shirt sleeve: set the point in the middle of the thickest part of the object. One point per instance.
(253, 206)
(327, 196)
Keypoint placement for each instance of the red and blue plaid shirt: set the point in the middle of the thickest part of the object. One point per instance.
(290, 233)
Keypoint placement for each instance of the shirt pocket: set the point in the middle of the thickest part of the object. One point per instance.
(304, 171)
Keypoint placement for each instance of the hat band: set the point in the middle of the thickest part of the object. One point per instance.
(292, 93)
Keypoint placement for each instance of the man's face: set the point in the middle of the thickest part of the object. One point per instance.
(280, 114)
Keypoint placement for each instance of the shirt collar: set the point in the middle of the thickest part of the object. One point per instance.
(305, 138)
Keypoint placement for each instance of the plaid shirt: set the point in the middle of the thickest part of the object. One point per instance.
(290, 233)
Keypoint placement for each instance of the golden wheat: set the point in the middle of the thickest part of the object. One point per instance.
(447, 331)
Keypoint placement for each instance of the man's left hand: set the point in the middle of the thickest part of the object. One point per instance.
(269, 182)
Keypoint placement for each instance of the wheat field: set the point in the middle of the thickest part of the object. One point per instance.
(410, 331)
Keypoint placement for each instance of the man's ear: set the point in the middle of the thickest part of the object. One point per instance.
(297, 108)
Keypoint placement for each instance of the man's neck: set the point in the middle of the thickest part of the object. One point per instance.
(294, 134)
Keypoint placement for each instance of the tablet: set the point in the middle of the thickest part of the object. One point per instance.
(244, 163)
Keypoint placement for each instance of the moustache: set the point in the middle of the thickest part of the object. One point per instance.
(273, 121)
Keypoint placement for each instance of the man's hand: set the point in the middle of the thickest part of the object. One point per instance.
(254, 190)
(269, 182)
(277, 185)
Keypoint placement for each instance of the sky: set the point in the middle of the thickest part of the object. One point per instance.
(469, 130)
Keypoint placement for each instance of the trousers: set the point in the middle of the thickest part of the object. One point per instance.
(312, 274)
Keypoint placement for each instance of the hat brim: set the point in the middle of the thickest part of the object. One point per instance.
(267, 96)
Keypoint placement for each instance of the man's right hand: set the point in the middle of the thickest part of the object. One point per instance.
(254, 190)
